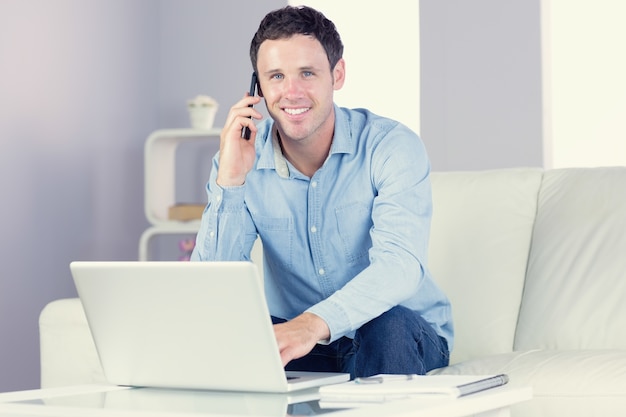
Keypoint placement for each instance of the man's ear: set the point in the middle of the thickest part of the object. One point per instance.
(339, 74)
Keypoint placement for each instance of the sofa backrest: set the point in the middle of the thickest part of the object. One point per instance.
(575, 295)
(479, 245)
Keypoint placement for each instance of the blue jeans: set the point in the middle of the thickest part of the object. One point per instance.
(399, 341)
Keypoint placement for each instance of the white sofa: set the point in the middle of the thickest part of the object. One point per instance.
(535, 265)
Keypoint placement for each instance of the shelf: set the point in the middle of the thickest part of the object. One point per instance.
(160, 188)
(175, 228)
(160, 169)
(170, 228)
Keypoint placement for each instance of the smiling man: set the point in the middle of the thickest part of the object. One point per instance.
(341, 200)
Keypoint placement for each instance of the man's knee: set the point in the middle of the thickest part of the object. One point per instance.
(401, 330)
(397, 320)
(398, 341)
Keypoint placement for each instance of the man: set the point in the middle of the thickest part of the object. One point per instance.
(341, 201)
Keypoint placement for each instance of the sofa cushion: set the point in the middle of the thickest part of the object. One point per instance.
(480, 239)
(68, 353)
(576, 280)
(568, 382)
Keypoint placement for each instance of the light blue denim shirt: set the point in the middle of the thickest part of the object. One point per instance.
(347, 244)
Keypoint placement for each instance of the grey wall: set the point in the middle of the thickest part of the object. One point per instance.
(77, 82)
(481, 83)
(82, 84)
(204, 49)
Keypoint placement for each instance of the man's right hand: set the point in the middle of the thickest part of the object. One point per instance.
(237, 154)
(298, 336)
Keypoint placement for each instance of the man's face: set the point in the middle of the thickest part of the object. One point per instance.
(298, 85)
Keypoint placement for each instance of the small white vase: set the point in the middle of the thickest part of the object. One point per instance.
(202, 117)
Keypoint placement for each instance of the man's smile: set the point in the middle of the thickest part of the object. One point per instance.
(295, 112)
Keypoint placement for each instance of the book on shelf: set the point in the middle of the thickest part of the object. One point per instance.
(186, 212)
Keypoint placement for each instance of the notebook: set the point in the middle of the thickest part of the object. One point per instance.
(193, 325)
(385, 387)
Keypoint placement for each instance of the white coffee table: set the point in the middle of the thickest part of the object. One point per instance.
(112, 401)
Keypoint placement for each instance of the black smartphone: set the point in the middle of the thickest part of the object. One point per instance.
(245, 132)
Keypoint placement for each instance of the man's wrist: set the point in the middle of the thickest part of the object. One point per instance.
(229, 183)
(317, 325)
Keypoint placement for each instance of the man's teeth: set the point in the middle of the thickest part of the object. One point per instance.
(296, 111)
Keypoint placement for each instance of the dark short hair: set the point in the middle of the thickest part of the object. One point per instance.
(302, 20)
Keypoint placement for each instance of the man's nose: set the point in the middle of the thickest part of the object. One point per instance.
(293, 86)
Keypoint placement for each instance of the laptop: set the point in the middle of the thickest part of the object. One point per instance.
(192, 325)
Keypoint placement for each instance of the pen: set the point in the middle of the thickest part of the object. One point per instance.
(379, 379)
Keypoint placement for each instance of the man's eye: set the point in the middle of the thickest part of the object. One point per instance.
(277, 76)
(307, 73)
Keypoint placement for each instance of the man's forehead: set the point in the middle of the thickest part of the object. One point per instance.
(298, 50)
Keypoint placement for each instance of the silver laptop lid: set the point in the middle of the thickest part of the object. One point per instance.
(201, 325)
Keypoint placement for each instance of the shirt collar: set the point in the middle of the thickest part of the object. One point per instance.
(271, 155)
(343, 142)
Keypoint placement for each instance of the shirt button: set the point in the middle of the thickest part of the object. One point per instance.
(321, 271)
(314, 184)
(218, 198)
(211, 234)
(313, 229)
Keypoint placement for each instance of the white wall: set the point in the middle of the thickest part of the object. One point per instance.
(382, 50)
(465, 75)
(584, 82)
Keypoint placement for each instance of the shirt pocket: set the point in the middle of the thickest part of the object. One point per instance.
(354, 222)
(277, 234)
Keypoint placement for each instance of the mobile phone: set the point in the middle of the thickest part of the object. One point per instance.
(245, 132)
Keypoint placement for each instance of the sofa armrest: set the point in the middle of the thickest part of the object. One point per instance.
(68, 353)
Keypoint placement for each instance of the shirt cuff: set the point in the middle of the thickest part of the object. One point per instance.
(227, 199)
(335, 317)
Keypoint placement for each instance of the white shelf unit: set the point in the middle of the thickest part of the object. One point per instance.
(160, 182)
